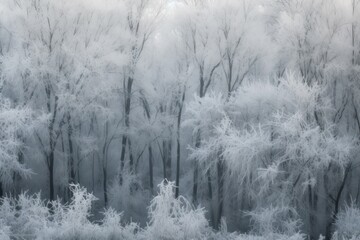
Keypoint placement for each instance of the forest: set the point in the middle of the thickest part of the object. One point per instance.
(179, 119)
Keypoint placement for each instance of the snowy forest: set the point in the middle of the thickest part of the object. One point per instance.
(179, 119)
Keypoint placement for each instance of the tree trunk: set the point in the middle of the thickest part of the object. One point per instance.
(353, 34)
(195, 183)
(196, 170)
(52, 143)
(93, 173)
(220, 172)
(51, 176)
(210, 196)
(71, 163)
(337, 200)
(16, 176)
(131, 157)
(177, 182)
(1, 190)
(178, 150)
(151, 169)
(122, 158)
(311, 214)
(128, 92)
(168, 159)
(166, 146)
(104, 162)
(105, 186)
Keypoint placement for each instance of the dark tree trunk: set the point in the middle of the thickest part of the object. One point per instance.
(151, 156)
(178, 150)
(151, 169)
(52, 143)
(168, 159)
(131, 157)
(128, 92)
(71, 159)
(122, 157)
(220, 172)
(93, 173)
(104, 162)
(195, 183)
(1, 190)
(311, 211)
(196, 170)
(105, 187)
(177, 182)
(337, 201)
(210, 197)
(163, 157)
(51, 176)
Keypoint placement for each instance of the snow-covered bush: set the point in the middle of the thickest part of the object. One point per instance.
(275, 221)
(170, 218)
(25, 216)
(4, 232)
(175, 218)
(72, 221)
(129, 198)
(347, 224)
(29, 217)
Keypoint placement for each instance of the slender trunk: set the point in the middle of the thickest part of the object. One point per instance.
(16, 176)
(151, 157)
(151, 169)
(220, 172)
(311, 211)
(197, 144)
(166, 145)
(196, 170)
(71, 152)
(338, 198)
(52, 142)
(177, 182)
(104, 162)
(327, 207)
(210, 196)
(163, 157)
(353, 34)
(1, 190)
(168, 159)
(178, 150)
(51, 175)
(195, 182)
(128, 92)
(122, 157)
(105, 186)
(131, 157)
(357, 193)
(93, 173)
(77, 163)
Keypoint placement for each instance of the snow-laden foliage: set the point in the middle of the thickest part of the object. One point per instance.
(275, 220)
(25, 216)
(131, 197)
(13, 122)
(29, 217)
(172, 218)
(262, 97)
(287, 137)
(347, 224)
(273, 141)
